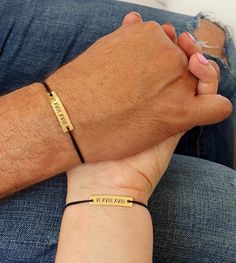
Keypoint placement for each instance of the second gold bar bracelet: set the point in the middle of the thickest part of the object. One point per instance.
(62, 117)
(108, 200)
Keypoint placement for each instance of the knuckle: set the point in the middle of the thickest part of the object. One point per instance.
(178, 59)
(150, 25)
(178, 55)
(183, 111)
(227, 109)
(198, 114)
(182, 115)
(214, 64)
(215, 69)
(212, 77)
(195, 115)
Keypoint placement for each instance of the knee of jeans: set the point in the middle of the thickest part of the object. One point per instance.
(212, 38)
(217, 43)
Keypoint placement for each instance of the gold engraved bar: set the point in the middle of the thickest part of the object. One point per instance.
(60, 112)
(111, 200)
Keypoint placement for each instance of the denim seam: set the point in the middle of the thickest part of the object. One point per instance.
(15, 241)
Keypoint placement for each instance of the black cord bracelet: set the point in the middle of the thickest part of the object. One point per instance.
(81, 157)
(62, 117)
(138, 203)
(109, 201)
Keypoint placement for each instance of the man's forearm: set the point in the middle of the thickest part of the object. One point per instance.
(33, 145)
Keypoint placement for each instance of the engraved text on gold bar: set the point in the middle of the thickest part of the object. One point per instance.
(60, 112)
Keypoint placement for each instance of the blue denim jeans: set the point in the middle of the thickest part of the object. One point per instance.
(193, 208)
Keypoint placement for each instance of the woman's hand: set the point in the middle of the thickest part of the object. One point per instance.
(134, 176)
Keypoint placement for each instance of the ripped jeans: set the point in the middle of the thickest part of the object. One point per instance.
(193, 208)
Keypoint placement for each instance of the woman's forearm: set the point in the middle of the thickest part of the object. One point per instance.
(105, 234)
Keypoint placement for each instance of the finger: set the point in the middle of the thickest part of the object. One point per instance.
(131, 18)
(210, 109)
(201, 68)
(216, 67)
(170, 31)
(188, 44)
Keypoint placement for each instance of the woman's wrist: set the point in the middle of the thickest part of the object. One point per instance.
(105, 179)
(97, 233)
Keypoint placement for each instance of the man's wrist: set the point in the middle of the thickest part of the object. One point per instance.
(33, 146)
(73, 96)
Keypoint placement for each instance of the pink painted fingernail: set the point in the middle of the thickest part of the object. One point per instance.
(191, 37)
(202, 59)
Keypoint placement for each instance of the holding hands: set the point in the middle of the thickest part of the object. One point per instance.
(133, 89)
(170, 77)
(139, 174)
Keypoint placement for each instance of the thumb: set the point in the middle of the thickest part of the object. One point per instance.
(132, 18)
(210, 109)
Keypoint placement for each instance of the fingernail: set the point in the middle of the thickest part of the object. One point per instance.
(191, 37)
(170, 24)
(136, 13)
(202, 59)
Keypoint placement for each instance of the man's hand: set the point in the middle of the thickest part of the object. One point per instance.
(131, 90)
(139, 174)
